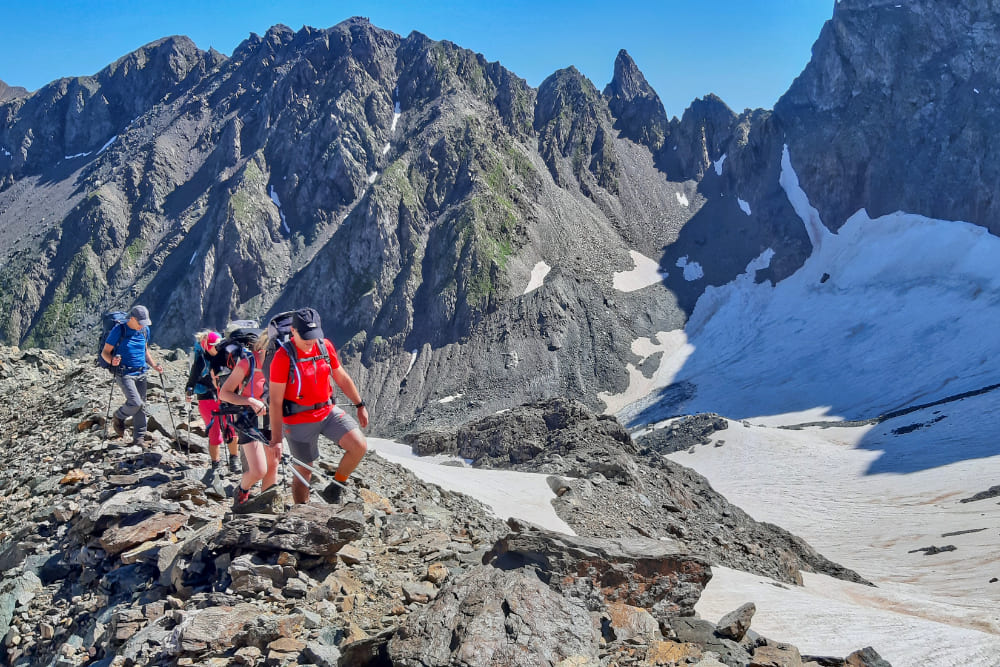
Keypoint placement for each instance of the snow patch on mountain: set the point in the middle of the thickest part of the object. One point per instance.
(277, 202)
(646, 273)
(538, 273)
(744, 205)
(692, 270)
(718, 164)
(105, 146)
(800, 201)
(682, 199)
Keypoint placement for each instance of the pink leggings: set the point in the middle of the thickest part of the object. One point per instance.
(206, 407)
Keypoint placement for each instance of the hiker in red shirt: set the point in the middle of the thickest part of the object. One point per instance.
(301, 404)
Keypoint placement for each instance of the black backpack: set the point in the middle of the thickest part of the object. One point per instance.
(279, 334)
(238, 345)
(108, 322)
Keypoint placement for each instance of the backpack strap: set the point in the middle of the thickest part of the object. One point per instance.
(295, 360)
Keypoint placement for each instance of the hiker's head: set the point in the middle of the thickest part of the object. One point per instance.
(306, 324)
(208, 340)
(139, 317)
(262, 341)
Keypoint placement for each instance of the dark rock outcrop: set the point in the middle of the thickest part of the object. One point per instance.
(639, 572)
(607, 488)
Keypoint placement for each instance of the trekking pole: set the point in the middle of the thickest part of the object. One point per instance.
(169, 411)
(107, 416)
(187, 438)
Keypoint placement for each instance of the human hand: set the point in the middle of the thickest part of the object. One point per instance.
(117, 359)
(259, 407)
(187, 398)
(158, 367)
(363, 416)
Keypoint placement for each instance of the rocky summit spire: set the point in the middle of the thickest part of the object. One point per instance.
(636, 106)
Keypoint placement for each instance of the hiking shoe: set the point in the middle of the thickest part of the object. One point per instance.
(118, 424)
(239, 497)
(333, 493)
(234, 464)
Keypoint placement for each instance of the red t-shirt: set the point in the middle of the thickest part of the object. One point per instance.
(254, 388)
(313, 380)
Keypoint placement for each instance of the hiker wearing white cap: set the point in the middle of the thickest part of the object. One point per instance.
(127, 351)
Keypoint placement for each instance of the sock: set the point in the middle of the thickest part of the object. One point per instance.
(337, 477)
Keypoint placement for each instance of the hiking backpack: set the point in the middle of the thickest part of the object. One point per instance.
(279, 334)
(108, 322)
(237, 345)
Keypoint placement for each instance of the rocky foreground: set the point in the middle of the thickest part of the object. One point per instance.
(116, 555)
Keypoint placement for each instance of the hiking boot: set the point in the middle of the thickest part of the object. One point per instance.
(118, 424)
(333, 493)
(234, 464)
(215, 465)
(239, 497)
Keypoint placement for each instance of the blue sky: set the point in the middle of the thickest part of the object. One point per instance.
(746, 51)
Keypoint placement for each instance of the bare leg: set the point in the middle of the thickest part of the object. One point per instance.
(354, 445)
(300, 491)
(256, 466)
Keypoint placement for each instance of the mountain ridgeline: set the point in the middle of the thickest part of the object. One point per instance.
(410, 191)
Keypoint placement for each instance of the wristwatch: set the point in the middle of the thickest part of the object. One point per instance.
(359, 405)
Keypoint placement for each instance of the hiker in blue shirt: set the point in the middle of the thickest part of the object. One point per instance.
(127, 350)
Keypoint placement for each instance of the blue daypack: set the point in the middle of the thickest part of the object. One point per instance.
(108, 322)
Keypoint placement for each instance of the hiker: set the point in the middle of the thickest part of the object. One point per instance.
(259, 456)
(202, 383)
(302, 407)
(126, 349)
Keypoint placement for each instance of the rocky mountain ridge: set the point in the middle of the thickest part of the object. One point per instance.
(410, 190)
(126, 555)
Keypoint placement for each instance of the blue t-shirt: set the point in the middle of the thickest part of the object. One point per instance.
(132, 348)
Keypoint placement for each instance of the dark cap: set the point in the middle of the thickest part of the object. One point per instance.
(141, 313)
(306, 322)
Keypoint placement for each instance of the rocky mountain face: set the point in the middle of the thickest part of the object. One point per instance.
(410, 191)
(10, 92)
(903, 122)
(116, 555)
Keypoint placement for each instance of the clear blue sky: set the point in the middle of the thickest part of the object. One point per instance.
(746, 51)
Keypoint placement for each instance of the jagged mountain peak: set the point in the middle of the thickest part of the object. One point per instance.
(628, 82)
(636, 106)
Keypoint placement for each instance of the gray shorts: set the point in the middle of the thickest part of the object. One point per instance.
(303, 439)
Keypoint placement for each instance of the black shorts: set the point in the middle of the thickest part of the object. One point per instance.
(250, 428)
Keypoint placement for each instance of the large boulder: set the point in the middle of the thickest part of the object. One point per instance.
(652, 574)
(493, 617)
(314, 529)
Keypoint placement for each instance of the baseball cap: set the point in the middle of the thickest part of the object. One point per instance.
(306, 322)
(141, 313)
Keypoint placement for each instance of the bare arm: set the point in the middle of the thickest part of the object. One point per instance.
(350, 390)
(276, 397)
(228, 391)
(106, 354)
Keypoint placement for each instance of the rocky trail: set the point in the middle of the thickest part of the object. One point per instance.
(126, 555)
